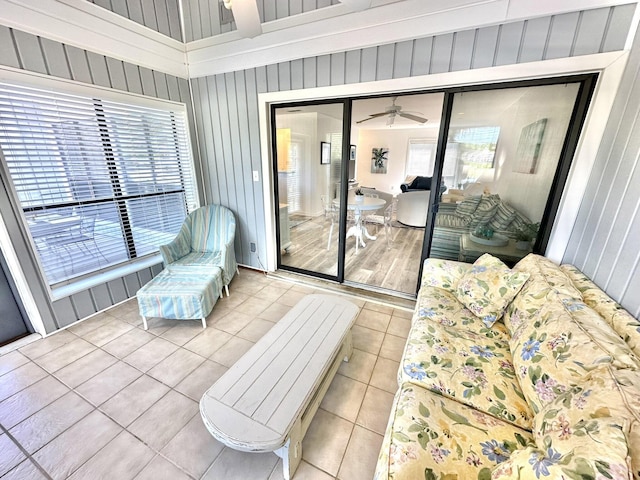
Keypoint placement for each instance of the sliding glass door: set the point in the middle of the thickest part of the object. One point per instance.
(309, 171)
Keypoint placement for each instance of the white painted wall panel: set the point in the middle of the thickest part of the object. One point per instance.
(534, 41)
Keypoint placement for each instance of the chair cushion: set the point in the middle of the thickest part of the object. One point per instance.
(488, 288)
(422, 183)
(198, 259)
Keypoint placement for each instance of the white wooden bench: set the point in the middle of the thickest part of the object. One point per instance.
(266, 401)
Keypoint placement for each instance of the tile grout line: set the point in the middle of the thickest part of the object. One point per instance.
(27, 455)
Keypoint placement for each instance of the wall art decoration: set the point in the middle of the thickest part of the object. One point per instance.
(529, 147)
(379, 159)
(325, 153)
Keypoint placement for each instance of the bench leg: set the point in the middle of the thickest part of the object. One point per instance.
(291, 452)
(144, 323)
(348, 346)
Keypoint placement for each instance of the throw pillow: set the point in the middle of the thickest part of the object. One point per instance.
(486, 210)
(468, 206)
(488, 288)
(503, 217)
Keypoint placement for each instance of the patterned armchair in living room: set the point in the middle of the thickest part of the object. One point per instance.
(205, 240)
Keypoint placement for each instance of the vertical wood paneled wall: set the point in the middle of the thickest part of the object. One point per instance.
(160, 15)
(202, 18)
(226, 105)
(35, 54)
(604, 242)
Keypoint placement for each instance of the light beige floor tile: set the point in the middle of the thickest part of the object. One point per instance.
(183, 331)
(133, 400)
(367, 339)
(28, 401)
(375, 320)
(392, 347)
(233, 322)
(274, 312)
(231, 351)
(252, 306)
(217, 313)
(305, 471)
(107, 383)
(271, 293)
(10, 455)
(402, 313)
(90, 324)
(13, 360)
(46, 424)
(68, 451)
(158, 425)
(305, 289)
(377, 307)
(132, 317)
(235, 465)
(255, 330)
(173, 369)
(20, 378)
(64, 355)
(375, 410)
(360, 459)
(193, 449)
(233, 300)
(161, 469)
(385, 375)
(84, 368)
(291, 297)
(122, 458)
(158, 326)
(326, 441)
(197, 382)
(399, 326)
(48, 344)
(104, 334)
(128, 343)
(150, 354)
(207, 342)
(25, 470)
(359, 367)
(344, 397)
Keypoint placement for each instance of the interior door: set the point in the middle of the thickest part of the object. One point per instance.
(309, 174)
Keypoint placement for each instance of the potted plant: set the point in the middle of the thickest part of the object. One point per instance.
(526, 234)
(359, 195)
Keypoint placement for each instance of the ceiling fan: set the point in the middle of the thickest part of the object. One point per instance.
(246, 16)
(392, 111)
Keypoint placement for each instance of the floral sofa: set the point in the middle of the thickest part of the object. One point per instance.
(454, 220)
(526, 373)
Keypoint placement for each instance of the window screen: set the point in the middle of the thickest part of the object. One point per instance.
(100, 182)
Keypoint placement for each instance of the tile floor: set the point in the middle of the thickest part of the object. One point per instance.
(105, 399)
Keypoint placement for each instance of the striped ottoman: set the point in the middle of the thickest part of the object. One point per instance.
(181, 293)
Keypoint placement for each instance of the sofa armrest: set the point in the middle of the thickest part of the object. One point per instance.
(228, 261)
(177, 248)
(443, 274)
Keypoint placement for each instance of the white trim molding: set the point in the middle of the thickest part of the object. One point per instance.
(84, 25)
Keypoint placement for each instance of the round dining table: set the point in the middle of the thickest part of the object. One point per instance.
(365, 204)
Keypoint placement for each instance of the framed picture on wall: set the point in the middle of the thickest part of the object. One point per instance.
(325, 153)
(352, 152)
(529, 147)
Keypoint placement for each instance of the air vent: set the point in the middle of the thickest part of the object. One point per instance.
(226, 16)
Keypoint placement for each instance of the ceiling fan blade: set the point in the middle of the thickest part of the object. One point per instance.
(247, 17)
(415, 118)
(375, 115)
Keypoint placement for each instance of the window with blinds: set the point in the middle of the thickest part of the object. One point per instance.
(100, 183)
(420, 155)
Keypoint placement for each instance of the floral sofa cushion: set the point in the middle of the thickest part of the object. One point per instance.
(626, 325)
(595, 448)
(467, 366)
(556, 350)
(433, 437)
(443, 274)
(488, 288)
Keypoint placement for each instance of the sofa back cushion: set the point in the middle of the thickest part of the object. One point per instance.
(557, 349)
(627, 326)
(468, 206)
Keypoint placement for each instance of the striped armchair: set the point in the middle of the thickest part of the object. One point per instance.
(205, 240)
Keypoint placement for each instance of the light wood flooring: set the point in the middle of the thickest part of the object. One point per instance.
(393, 267)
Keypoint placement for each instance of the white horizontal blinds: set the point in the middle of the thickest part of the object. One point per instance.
(99, 182)
(420, 158)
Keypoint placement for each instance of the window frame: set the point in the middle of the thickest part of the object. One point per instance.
(82, 282)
